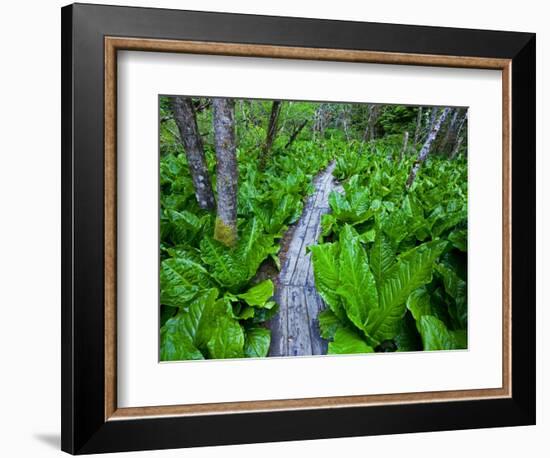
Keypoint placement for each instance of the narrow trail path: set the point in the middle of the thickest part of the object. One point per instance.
(295, 330)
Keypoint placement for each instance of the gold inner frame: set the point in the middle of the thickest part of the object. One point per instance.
(114, 44)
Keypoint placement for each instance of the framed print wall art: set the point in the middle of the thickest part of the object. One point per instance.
(281, 229)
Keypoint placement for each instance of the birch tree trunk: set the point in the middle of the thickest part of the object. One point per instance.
(426, 147)
(458, 137)
(404, 149)
(186, 120)
(374, 112)
(433, 116)
(454, 152)
(319, 124)
(418, 127)
(271, 131)
(450, 135)
(345, 120)
(226, 171)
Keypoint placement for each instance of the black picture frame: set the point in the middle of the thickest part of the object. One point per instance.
(84, 427)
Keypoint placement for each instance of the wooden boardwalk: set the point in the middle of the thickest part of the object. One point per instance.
(295, 330)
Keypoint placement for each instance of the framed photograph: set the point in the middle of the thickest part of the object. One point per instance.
(281, 228)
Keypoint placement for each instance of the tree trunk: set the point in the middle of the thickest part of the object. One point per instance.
(418, 127)
(344, 113)
(433, 116)
(458, 137)
(271, 131)
(426, 147)
(404, 149)
(454, 152)
(450, 135)
(184, 115)
(374, 112)
(226, 171)
(320, 120)
(295, 134)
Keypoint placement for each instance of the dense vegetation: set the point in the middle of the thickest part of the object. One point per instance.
(391, 265)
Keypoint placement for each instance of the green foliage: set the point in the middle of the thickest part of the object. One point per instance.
(208, 277)
(390, 265)
(393, 265)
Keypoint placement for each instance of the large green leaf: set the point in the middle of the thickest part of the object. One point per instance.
(459, 239)
(357, 286)
(174, 346)
(420, 303)
(408, 338)
(396, 225)
(328, 324)
(206, 329)
(182, 336)
(436, 336)
(412, 270)
(382, 256)
(254, 247)
(223, 265)
(347, 342)
(326, 273)
(181, 279)
(259, 294)
(256, 343)
(456, 288)
(226, 338)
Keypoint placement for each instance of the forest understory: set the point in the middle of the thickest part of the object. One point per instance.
(303, 228)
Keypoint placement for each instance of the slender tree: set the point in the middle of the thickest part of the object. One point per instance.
(404, 148)
(271, 132)
(456, 148)
(296, 133)
(425, 150)
(374, 113)
(449, 139)
(344, 116)
(226, 171)
(418, 127)
(186, 120)
(458, 142)
(320, 121)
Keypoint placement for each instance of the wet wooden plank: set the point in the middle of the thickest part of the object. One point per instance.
(295, 328)
(299, 337)
(279, 325)
(318, 345)
(293, 251)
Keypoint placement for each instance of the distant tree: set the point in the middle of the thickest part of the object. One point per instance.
(374, 113)
(186, 120)
(418, 128)
(320, 120)
(404, 148)
(449, 139)
(295, 133)
(425, 151)
(458, 137)
(271, 132)
(226, 171)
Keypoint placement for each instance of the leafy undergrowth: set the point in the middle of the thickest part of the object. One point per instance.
(392, 268)
(212, 303)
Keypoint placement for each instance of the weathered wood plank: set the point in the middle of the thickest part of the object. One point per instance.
(295, 328)
(299, 277)
(299, 336)
(279, 325)
(318, 345)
